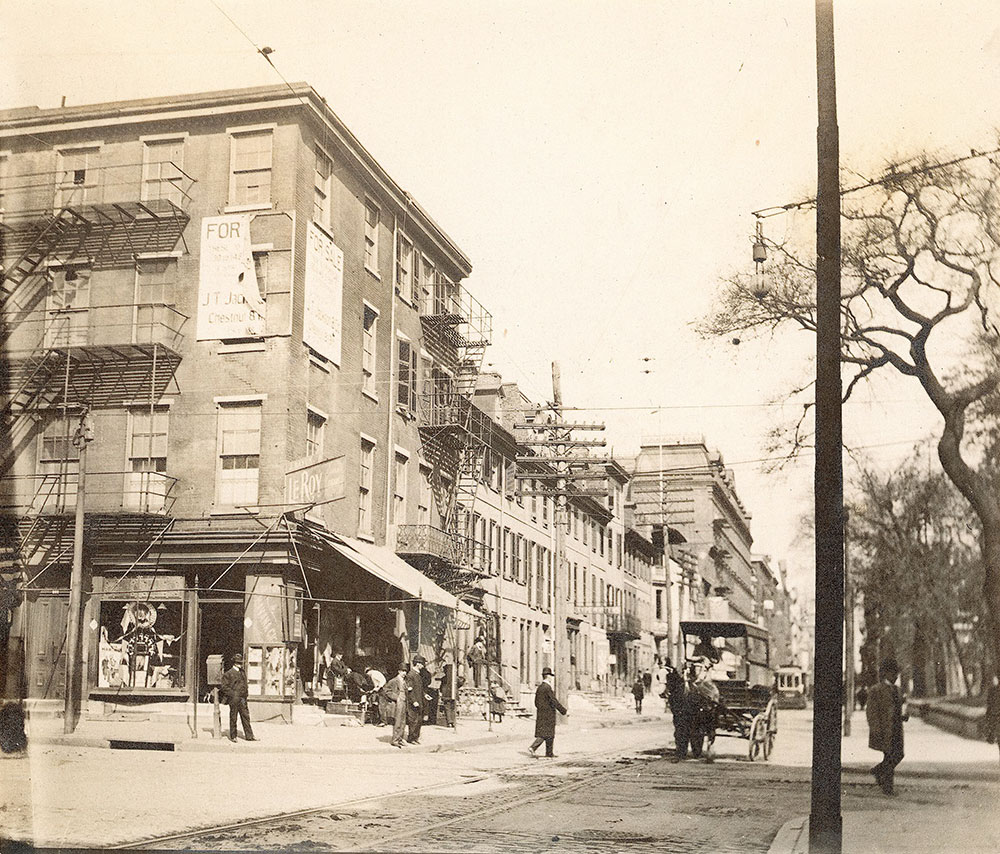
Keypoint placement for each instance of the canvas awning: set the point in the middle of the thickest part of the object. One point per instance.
(386, 565)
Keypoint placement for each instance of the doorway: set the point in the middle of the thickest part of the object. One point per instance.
(220, 633)
(45, 648)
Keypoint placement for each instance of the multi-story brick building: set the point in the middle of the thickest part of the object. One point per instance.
(681, 487)
(278, 358)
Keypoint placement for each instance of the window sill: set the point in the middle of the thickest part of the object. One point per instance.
(373, 273)
(318, 363)
(370, 395)
(324, 228)
(248, 208)
(367, 538)
(243, 347)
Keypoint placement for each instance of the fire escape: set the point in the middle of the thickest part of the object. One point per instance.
(65, 349)
(454, 435)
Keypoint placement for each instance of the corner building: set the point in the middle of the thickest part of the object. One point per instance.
(276, 355)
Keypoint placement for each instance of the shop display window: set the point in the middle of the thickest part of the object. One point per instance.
(271, 670)
(140, 645)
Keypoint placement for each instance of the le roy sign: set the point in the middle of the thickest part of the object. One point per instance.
(311, 481)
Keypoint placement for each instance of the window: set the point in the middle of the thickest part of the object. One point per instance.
(315, 424)
(321, 189)
(261, 268)
(58, 467)
(529, 572)
(424, 499)
(239, 454)
(586, 531)
(162, 161)
(540, 577)
(428, 276)
(506, 552)
(399, 490)
(77, 176)
(365, 487)
(659, 604)
(600, 532)
(404, 268)
(145, 483)
(371, 236)
(250, 168)
(406, 393)
(369, 334)
(68, 307)
(575, 576)
(155, 283)
(493, 547)
(584, 586)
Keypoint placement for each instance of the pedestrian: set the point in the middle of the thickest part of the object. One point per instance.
(885, 724)
(336, 675)
(234, 690)
(659, 683)
(498, 701)
(546, 706)
(674, 689)
(647, 681)
(394, 693)
(476, 658)
(449, 691)
(638, 691)
(414, 683)
(862, 697)
(376, 702)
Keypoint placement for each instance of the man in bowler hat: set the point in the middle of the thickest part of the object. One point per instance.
(546, 706)
(414, 684)
(235, 692)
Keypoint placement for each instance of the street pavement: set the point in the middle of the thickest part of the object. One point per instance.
(478, 791)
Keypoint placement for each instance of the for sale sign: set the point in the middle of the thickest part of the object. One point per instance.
(229, 302)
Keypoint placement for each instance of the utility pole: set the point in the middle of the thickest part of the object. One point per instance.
(562, 467)
(825, 821)
(849, 597)
(83, 436)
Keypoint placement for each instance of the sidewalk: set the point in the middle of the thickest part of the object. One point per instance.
(947, 788)
(312, 731)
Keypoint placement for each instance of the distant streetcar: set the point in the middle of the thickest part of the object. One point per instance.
(791, 684)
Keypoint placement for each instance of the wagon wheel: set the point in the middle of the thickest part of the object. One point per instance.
(772, 726)
(758, 738)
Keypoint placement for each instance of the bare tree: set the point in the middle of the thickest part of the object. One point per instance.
(921, 297)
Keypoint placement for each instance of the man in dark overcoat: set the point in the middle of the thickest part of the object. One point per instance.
(885, 723)
(234, 690)
(414, 684)
(546, 706)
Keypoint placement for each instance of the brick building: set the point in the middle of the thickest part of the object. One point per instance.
(277, 356)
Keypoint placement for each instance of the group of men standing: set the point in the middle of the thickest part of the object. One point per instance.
(404, 702)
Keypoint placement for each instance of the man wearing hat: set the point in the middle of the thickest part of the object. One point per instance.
(546, 706)
(234, 692)
(414, 682)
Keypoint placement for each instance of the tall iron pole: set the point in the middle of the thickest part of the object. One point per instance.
(849, 597)
(560, 638)
(825, 821)
(81, 438)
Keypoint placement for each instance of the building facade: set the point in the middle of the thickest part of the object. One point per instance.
(262, 330)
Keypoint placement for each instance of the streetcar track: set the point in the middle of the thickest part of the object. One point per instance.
(210, 830)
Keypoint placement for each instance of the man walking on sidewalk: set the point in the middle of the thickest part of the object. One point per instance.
(885, 723)
(414, 683)
(394, 692)
(235, 691)
(546, 706)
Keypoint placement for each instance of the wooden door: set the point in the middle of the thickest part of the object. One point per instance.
(46, 646)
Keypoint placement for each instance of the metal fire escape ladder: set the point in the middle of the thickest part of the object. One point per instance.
(40, 248)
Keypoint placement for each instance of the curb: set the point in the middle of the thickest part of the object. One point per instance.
(211, 745)
(792, 837)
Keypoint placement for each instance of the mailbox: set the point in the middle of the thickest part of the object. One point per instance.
(214, 669)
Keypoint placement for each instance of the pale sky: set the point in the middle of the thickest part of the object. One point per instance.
(598, 162)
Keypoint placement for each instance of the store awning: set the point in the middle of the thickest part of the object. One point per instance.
(385, 564)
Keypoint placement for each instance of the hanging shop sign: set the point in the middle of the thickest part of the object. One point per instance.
(322, 327)
(229, 301)
(309, 481)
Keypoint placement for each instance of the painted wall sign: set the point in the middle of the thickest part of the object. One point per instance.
(229, 303)
(322, 327)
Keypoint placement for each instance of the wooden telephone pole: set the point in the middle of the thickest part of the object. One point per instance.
(563, 466)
